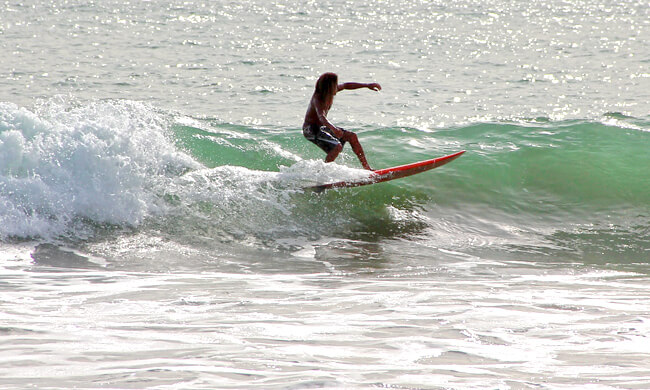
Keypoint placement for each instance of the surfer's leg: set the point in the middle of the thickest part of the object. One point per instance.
(324, 140)
(356, 148)
(333, 153)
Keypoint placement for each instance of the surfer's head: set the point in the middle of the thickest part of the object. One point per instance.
(327, 85)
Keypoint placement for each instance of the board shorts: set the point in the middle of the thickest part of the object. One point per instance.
(321, 136)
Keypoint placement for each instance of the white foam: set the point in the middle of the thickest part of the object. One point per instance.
(319, 172)
(65, 161)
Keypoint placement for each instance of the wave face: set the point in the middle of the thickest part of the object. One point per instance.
(568, 166)
(70, 170)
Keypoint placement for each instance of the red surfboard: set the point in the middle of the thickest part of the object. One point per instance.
(393, 173)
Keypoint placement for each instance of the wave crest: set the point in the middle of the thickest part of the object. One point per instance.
(63, 162)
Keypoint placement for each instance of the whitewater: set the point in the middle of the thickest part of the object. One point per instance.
(155, 230)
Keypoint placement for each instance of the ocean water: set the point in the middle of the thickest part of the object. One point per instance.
(155, 232)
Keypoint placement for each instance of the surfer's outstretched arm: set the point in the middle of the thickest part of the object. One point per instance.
(353, 85)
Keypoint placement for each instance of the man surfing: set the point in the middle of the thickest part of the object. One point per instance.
(321, 131)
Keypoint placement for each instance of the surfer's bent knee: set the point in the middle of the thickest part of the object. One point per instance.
(350, 136)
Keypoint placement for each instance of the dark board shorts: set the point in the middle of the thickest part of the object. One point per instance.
(321, 136)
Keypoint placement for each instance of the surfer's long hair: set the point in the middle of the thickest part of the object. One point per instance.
(326, 87)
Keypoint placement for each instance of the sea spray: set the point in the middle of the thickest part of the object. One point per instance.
(64, 162)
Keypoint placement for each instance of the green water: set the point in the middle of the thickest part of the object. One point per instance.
(574, 164)
(572, 189)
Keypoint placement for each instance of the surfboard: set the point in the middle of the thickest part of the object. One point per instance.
(387, 174)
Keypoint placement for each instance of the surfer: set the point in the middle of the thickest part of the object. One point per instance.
(321, 131)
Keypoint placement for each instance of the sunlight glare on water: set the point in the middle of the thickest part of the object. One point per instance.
(155, 230)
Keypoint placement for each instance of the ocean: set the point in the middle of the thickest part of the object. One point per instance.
(155, 230)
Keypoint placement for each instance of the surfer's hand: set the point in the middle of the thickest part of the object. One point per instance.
(374, 87)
